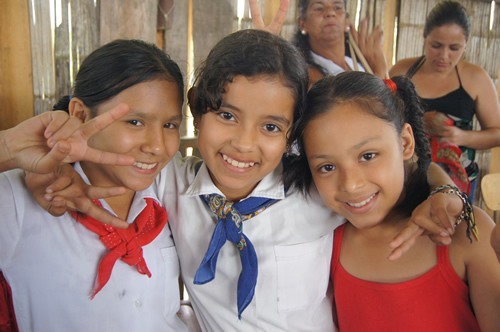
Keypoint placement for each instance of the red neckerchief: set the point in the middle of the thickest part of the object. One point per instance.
(125, 244)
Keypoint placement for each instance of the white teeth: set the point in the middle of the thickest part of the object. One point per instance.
(236, 163)
(361, 204)
(144, 166)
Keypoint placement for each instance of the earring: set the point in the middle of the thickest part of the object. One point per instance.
(303, 32)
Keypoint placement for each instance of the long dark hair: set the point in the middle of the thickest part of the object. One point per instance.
(118, 65)
(372, 95)
(248, 53)
(447, 12)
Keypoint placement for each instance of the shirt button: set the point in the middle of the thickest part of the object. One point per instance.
(138, 303)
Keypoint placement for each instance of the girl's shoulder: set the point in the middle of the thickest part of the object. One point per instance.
(402, 66)
(467, 249)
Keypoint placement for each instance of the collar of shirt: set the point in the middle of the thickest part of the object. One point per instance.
(138, 203)
(270, 186)
(331, 66)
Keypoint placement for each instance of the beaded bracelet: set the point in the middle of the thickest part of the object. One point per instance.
(467, 213)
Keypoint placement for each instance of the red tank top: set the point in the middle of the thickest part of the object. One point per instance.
(438, 300)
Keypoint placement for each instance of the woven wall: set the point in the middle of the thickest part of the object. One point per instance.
(189, 29)
(483, 48)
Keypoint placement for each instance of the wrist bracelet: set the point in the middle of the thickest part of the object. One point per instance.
(467, 213)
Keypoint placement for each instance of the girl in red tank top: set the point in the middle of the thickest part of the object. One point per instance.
(375, 175)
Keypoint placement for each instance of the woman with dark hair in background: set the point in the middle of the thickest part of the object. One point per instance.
(453, 92)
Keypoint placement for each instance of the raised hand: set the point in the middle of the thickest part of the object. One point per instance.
(41, 143)
(277, 22)
(77, 138)
(371, 46)
(64, 190)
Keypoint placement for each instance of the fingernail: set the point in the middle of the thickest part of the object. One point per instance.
(450, 231)
(444, 234)
(48, 197)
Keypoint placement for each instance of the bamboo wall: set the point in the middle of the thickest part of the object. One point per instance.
(42, 45)
(186, 29)
(483, 47)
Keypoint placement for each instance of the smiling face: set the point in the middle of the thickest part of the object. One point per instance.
(324, 21)
(149, 133)
(244, 140)
(444, 47)
(357, 162)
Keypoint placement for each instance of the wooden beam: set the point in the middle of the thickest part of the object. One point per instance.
(391, 8)
(16, 85)
(137, 19)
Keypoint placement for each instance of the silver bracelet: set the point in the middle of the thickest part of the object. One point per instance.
(467, 213)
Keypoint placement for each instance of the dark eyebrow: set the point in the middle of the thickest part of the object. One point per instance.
(176, 118)
(280, 119)
(145, 115)
(354, 147)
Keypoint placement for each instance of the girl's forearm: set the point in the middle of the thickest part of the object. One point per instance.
(436, 176)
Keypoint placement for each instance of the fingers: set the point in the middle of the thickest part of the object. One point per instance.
(279, 18)
(430, 225)
(95, 125)
(78, 198)
(102, 121)
(53, 158)
(257, 21)
(57, 206)
(108, 158)
(36, 183)
(441, 240)
(102, 215)
(427, 215)
(62, 131)
(377, 35)
(445, 210)
(404, 240)
(53, 121)
(362, 34)
(277, 22)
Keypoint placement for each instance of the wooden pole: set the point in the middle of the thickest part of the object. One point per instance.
(128, 19)
(16, 85)
(391, 8)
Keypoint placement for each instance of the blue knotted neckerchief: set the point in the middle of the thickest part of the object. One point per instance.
(230, 217)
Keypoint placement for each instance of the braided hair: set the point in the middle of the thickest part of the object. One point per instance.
(375, 97)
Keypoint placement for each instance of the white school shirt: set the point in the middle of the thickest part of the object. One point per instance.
(331, 67)
(51, 264)
(293, 241)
